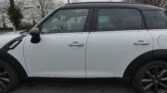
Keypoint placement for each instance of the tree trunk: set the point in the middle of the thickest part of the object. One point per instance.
(4, 23)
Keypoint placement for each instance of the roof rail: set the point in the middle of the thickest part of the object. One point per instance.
(100, 2)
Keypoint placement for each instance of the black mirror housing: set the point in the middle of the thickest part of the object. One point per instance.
(35, 33)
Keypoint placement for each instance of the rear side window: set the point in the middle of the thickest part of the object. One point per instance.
(156, 19)
(119, 19)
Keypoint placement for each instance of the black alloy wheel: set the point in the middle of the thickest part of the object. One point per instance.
(9, 78)
(4, 78)
(152, 78)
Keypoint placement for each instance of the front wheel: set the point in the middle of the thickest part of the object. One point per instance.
(9, 77)
(151, 78)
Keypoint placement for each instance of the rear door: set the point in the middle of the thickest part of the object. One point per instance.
(157, 24)
(118, 36)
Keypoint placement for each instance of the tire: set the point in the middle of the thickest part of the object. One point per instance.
(9, 78)
(151, 78)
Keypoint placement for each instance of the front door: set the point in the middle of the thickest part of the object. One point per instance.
(61, 51)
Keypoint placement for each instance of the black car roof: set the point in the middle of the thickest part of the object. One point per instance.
(111, 4)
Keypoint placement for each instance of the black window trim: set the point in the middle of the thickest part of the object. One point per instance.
(86, 25)
(95, 16)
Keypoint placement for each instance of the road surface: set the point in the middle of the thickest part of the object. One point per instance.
(74, 86)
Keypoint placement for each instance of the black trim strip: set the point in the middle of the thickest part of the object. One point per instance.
(7, 47)
(14, 62)
(88, 21)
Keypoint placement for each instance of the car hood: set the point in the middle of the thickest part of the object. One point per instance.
(6, 37)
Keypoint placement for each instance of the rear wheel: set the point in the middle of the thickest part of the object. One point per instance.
(9, 78)
(151, 78)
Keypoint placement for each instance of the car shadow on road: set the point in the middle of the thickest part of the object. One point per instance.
(74, 86)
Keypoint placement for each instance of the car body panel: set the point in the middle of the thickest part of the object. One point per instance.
(109, 53)
(53, 57)
(6, 37)
(18, 54)
(159, 38)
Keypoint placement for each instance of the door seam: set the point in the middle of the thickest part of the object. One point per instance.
(86, 55)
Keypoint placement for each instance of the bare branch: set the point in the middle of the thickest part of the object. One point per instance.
(159, 3)
(42, 6)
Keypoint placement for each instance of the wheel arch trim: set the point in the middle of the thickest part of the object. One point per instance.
(143, 59)
(14, 62)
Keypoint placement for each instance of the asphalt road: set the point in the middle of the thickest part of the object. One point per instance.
(75, 86)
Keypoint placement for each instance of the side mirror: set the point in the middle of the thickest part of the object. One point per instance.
(35, 35)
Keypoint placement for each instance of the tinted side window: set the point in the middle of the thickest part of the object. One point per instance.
(65, 21)
(119, 19)
(156, 19)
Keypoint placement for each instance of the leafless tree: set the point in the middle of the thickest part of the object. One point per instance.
(159, 3)
(42, 6)
(59, 3)
(3, 11)
(2, 21)
(19, 3)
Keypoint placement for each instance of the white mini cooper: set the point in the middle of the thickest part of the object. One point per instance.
(91, 40)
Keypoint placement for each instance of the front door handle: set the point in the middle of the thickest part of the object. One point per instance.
(76, 44)
(142, 42)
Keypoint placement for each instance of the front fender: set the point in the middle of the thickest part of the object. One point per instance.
(11, 60)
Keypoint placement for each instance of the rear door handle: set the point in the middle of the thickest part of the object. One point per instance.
(141, 42)
(77, 44)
